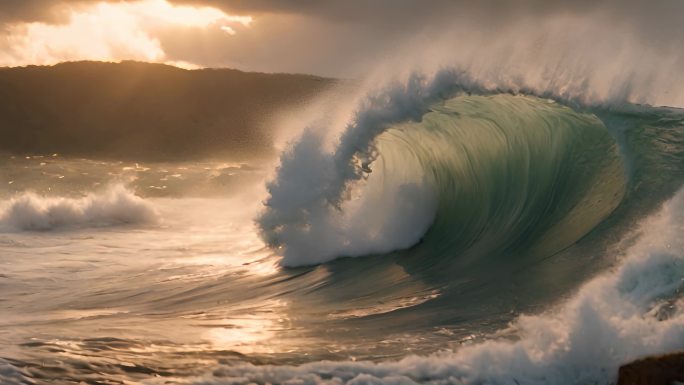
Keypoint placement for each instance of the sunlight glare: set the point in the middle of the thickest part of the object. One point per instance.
(112, 32)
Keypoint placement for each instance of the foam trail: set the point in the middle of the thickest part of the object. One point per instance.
(633, 311)
(114, 206)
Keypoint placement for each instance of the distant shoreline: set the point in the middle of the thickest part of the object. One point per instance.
(143, 111)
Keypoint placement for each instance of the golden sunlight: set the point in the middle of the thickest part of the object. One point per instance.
(111, 32)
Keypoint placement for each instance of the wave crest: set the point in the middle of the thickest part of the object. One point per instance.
(429, 157)
(114, 206)
(634, 311)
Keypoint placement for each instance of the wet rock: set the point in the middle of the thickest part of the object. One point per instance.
(661, 370)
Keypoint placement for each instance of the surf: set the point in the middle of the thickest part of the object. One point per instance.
(454, 166)
(492, 196)
(115, 205)
(498, 233)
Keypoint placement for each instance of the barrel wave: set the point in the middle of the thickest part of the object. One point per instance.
(435, 231)
(472, 177)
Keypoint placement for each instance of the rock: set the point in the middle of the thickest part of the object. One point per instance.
(660, 370)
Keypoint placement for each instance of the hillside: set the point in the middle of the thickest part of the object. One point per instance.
(143, 111)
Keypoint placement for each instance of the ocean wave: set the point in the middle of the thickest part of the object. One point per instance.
(11, 375)
(417, 157)
(114, 206)
(635, 310)
(343, 196)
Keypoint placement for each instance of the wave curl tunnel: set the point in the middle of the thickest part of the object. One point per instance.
(467, 174)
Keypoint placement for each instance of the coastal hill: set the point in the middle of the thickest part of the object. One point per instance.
(134, 110)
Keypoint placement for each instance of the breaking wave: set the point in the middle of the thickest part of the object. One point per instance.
(623, 315)
(114, 206)
(460, 174)
(450, 163)
(487, 219)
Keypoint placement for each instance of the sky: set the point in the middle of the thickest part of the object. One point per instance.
(324, 37)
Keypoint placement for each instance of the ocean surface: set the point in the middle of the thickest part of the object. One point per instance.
(446, 233)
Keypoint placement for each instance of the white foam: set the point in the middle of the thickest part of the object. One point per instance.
(114, 206)
(630, 312)
(308, 213)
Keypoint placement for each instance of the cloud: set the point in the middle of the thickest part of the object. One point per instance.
(12, 10)
(352, 38)
(332, 37)
(50, 11)
(108, 31)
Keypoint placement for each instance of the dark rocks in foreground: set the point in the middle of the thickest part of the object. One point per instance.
(661, 370)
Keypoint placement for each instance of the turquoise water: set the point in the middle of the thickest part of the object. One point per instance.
(478, 238)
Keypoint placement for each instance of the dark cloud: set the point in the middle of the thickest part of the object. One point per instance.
(383, 11)
(378, 11)
(26, 9)
(51, 11)
(404, 13)
(342, 38)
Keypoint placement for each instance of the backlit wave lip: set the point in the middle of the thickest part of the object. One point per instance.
(417, 163)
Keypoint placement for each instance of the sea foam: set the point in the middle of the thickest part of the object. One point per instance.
(114, 206)
(308, 215)
(632, 311)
